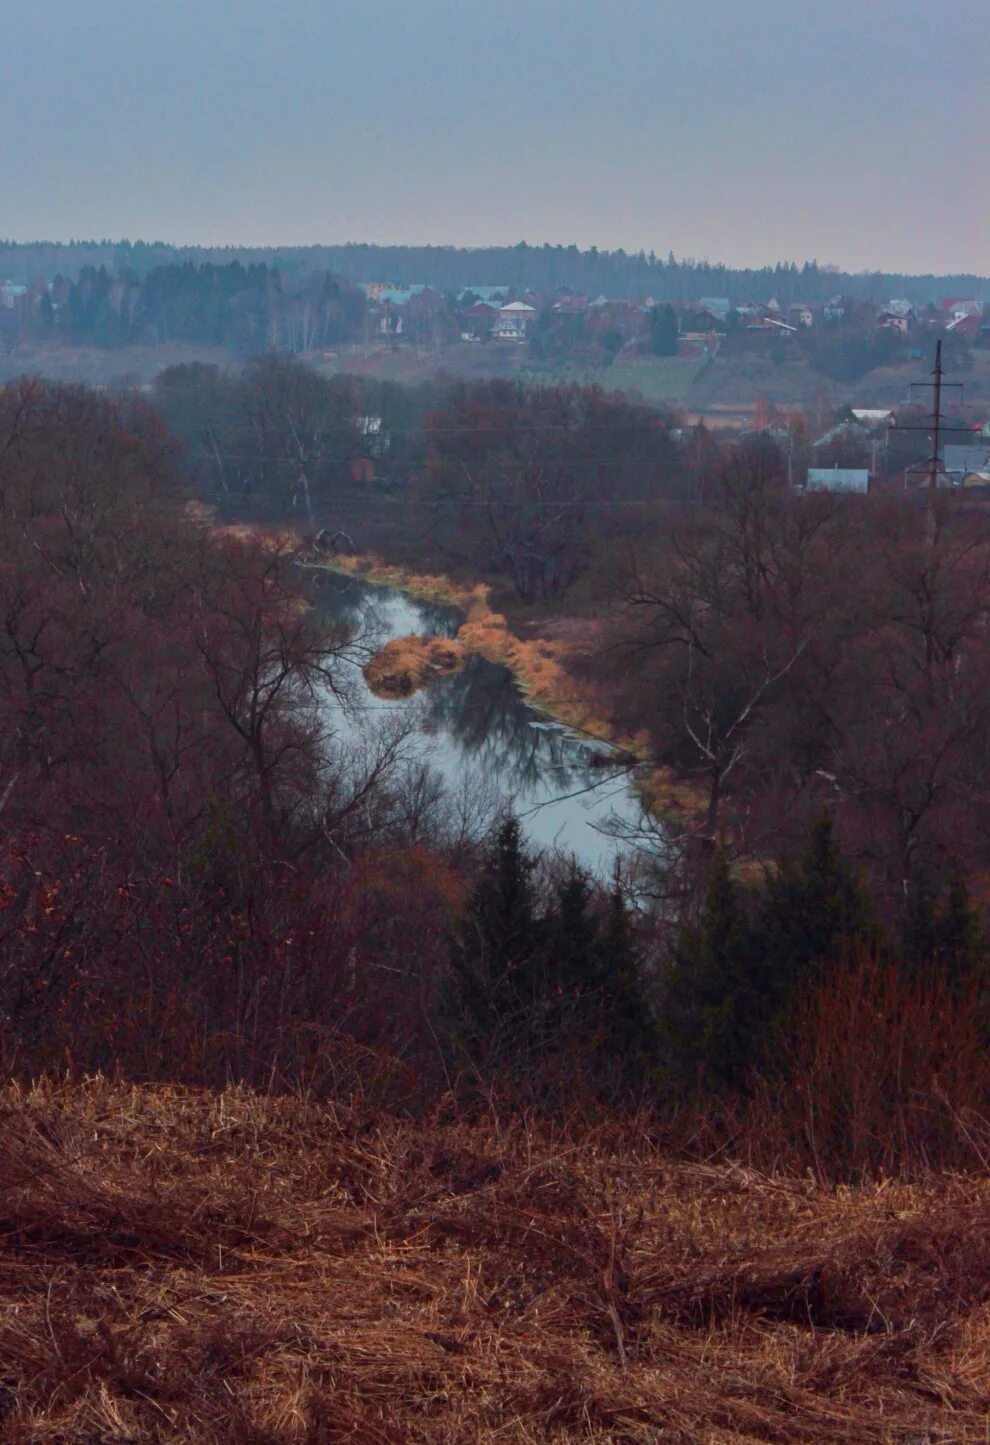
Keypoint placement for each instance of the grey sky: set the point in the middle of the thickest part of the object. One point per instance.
(853, 131)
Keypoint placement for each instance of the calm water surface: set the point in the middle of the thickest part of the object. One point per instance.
(477, 730)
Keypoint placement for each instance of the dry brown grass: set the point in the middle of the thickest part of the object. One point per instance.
(185, 1266)
(408, 663)
(431, 587)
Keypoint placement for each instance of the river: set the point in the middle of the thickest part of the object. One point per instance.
(477, 730)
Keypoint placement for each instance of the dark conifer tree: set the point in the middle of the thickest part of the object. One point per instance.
(716, 1009)
(960, 945)
(495, 954)
(663, 330)
(815, 911)
(919, 927)
(628, 1029)
(571, 937)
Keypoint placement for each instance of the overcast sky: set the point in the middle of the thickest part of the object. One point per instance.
(851, 131)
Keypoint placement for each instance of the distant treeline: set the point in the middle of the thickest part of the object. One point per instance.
(540, 268)
(243, 308)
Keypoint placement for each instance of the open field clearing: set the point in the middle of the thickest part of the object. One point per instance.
(107, 365)
(657, 379)
(185, 1266)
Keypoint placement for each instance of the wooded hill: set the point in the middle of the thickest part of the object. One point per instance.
(524, 267)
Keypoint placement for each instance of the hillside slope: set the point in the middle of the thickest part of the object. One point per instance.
(185, 1266)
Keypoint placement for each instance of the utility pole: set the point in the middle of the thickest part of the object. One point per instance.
(936, 426)
(936, 421)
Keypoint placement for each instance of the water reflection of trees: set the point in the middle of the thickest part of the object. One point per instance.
(482, 710)
(378, 613)
(479, 731)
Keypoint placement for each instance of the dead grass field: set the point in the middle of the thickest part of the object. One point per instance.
(184, 1266)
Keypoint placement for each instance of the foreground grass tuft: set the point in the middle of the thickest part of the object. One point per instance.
(178, 1265)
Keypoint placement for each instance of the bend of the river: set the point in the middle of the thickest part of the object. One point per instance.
(476, 728)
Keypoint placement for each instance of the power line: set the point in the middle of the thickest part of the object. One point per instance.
(592, 503)
(294, 464)
(511, 428)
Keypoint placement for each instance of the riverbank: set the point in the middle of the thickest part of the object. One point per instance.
(542, 665)
(539, 664)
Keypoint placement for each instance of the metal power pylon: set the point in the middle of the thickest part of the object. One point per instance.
(936, 424)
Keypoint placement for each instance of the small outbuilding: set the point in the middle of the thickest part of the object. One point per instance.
(838, 479)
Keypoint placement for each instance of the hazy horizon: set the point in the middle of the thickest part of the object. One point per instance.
(781, 131)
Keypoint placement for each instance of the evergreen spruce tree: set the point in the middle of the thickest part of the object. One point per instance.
(815, 911)
(664, 330)
(715, 1013)
(960, 946)
(571, 937)
(495, 954)
(46, 313)
(628, 1029)
(919, 927)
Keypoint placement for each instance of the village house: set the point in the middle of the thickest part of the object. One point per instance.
(956, 307)
(376, 437)
(571, 305)
(716, 306)
(477, 321)
(848, 432)
(968, 326)
(513, 321)
(891, 321)
(493, 296)
(700, 344)
(384, 291)
(11, 294)
(838, 479)
(960, 460)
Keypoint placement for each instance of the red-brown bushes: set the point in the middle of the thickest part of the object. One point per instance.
(299, 978)
(882, 1072)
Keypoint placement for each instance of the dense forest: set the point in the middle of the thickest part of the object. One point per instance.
(523, 267)
(245, 309)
